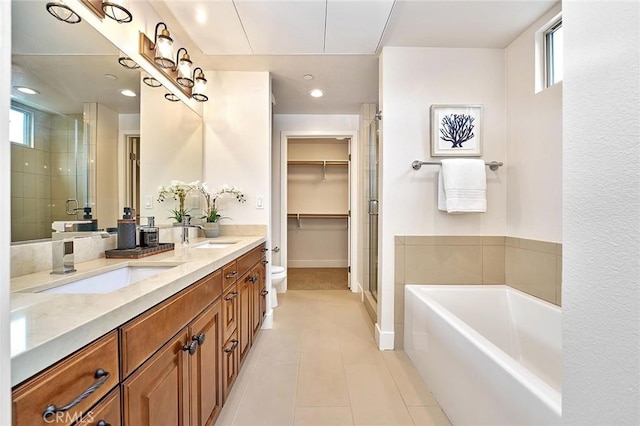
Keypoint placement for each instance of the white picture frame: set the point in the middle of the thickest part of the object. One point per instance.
(456, 130)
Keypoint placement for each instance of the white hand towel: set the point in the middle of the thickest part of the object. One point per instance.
(464, 186)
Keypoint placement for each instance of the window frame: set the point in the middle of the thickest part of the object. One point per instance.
(549, 63)
(27, 128)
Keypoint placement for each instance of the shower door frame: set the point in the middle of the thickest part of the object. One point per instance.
(353, 251)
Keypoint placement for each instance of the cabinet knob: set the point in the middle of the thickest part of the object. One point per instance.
(264, 262)
(264, 292)
(51, 409)
(231, 275)
(199, 338)
(264, 249)
(103, 423)
(191, 347)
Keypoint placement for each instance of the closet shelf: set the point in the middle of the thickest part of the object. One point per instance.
(299, 216)
(323, 163)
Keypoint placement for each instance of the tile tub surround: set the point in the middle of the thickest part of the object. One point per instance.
(531, 266)
(47, 327)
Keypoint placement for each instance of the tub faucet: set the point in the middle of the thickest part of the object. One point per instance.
(62, 256)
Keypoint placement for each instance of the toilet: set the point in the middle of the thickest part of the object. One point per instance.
(278, 274)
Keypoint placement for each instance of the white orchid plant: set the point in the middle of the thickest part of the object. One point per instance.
(211, 213)
(178, 190)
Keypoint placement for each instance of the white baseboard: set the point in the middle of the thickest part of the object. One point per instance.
(356, 287)
(267, 323)
(384, 339)
(338, 263)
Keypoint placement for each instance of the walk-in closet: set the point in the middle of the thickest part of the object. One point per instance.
(318, 213)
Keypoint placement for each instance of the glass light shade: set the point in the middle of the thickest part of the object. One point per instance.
(62, 12)
(171, 97)
(164, 50)
(117, 10)
(199, 92)
(127, 62)
(184, 71)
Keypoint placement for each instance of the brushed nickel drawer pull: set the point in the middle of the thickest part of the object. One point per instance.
(233, 346)
(234, 294)
(51, 409)
(231, 275)
(264, 262)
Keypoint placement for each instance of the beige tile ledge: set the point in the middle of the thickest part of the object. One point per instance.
(47, 327)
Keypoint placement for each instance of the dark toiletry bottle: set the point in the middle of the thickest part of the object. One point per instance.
(126, 231)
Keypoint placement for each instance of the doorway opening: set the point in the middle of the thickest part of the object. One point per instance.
(318, 197)
(132, 174)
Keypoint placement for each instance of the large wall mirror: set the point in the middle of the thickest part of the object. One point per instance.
(76, 142)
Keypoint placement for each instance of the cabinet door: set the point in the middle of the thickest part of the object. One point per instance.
(256, 286)
(158, 392)
(245, 296)
(107, 411)
(229, 312)
(230, 364)
(263, 290)
(205, 365)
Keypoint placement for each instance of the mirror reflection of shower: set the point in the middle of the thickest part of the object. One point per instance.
(49, 165)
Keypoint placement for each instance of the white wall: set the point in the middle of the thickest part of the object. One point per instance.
(412, 79)
(170, 148)
(128, 124)
(601, 218)
(5, 212)
(237, 141)
(534, 147)
(298, 123)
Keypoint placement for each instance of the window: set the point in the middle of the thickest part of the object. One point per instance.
(21, 126)
(553, 54)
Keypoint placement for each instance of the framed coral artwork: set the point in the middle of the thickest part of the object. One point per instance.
(456, 130)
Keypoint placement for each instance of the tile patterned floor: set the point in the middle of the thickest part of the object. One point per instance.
(319, 366)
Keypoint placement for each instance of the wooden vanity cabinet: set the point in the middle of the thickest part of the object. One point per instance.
(92, 367)
(107, 411)
(245, 296)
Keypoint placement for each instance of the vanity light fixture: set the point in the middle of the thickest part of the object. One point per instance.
(163, 47)
(127, 62)
(117, 10)
(151, 81)
(62, 12)
(184, 68)
(199, 92)
(171, 97)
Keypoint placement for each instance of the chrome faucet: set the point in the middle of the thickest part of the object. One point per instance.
(186, 224)
(62, 256)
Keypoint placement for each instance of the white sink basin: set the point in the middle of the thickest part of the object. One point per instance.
(212, 245)
(108, 281)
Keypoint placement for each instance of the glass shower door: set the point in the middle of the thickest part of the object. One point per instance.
(373, 207)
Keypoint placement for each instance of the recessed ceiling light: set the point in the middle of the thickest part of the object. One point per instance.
(316, 93)
(27, 90)
(308, 77)
(129, 93)
(110, 77)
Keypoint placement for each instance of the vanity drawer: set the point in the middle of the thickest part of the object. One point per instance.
(229, 274)
(247, 260)
(107, 411)
(142, 336)
(93, 367)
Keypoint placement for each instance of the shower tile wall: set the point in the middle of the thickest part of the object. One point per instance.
(534, 267)
(30, 183)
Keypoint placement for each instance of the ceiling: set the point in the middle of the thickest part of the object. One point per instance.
(336, 41)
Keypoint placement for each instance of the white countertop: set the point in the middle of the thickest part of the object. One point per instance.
(47, 327)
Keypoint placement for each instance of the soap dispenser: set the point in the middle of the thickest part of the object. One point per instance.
(126, 231)
(93, 226)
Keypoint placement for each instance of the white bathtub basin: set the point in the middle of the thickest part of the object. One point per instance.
(107, 282)
(212, 245)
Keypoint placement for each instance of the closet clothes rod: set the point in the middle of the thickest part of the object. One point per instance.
(493, 165)
(299, 216)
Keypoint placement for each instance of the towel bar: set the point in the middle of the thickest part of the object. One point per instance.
(493, 165)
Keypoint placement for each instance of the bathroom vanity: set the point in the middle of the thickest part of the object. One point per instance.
(164, 350)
